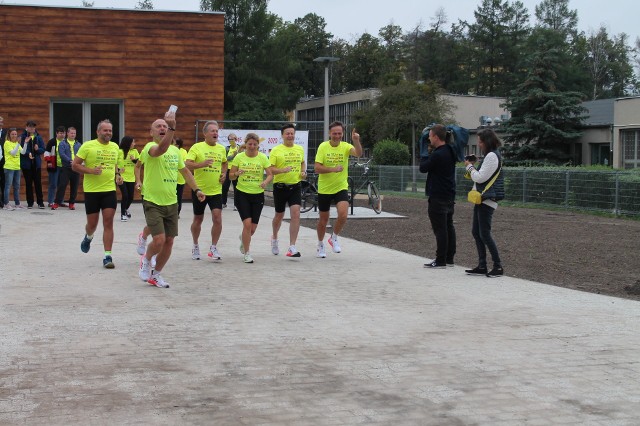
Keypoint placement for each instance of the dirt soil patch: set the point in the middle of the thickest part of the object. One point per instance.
(566, 249)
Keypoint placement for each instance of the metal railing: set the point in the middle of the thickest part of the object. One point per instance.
(615, 192)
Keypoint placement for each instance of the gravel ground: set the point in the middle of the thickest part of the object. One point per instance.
(579, 251)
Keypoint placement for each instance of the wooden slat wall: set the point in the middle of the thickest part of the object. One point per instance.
(150, 59)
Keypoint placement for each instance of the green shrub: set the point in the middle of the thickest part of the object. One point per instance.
(391, 153)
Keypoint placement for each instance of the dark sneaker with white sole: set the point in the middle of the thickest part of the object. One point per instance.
(496, 272)
(435, 265)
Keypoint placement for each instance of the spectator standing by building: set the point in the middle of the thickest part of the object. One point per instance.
(11, 154)
(67, 151)
(31, 163)
(3, 137)
(53, 164)
(440, 166)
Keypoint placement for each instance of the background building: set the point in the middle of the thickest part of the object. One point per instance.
(75, 66)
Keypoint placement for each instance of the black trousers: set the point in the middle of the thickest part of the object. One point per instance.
(33, 181)
(1, 185)
(66, 176)
(225, 187)
(441, 217)
(179, 191)
(126, 189)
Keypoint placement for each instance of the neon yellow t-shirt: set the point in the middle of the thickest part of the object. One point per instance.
(233, 151)
(208, 178)
(253, 167)
(283, 156)
(160, 175)
(12, 162)
(95, 154)
(183, 155)
(331, 183)
(71, 144)
(58, 159)
(127, 165)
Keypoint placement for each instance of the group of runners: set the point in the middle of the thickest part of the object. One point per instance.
(206, 168)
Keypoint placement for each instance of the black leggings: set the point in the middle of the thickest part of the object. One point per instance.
(127, 196)
(179, 191)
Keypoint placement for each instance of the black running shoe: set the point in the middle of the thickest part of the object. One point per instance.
(476, 271)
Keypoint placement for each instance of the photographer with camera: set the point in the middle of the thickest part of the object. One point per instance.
(487, 179)
(440, 166)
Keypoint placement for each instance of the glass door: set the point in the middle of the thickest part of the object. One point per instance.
(85, 115)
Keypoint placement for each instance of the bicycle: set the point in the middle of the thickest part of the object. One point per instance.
(372, 190)
(309, 190)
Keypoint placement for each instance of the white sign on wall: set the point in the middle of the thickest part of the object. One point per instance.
(268, 139)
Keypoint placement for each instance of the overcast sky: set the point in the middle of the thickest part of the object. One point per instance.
(348, 19)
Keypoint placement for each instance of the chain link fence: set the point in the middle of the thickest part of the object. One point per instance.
(613, 192)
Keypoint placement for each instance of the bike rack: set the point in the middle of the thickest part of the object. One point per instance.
(352, 194)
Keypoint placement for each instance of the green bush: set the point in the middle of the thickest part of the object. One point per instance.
(391, 153)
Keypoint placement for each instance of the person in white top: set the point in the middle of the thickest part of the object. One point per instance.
(487, 179)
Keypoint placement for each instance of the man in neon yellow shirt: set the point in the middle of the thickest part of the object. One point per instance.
(208, 160)
(332, 167)
(289, 168)
(162, 162)
(98, 161)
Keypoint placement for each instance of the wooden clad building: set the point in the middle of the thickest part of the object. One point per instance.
(75, 66)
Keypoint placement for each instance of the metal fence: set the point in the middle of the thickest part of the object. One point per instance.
(616, 192)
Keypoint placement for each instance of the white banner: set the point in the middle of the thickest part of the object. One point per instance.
(268, 139)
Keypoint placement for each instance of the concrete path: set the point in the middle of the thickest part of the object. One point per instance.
(367, 336)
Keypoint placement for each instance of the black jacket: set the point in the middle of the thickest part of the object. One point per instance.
(440, 167)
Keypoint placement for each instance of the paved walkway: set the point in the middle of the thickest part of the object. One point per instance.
(366, 336)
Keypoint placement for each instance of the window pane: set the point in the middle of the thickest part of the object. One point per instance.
(99, 112)
(67, 115)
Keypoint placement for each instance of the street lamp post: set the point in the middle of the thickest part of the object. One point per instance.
(326, 60)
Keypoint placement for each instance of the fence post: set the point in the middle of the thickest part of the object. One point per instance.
(524, 186)
(616, 206)
(566, 189)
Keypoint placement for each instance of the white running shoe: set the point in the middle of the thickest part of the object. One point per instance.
(142, 244)
(248, 258)
(320, 250)
(274, 247)
(293, 252)
(195, 252)
(335, 245)
(214, 254)
(8, 207)
(157, 280)
(145, 269)
(123, 218)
